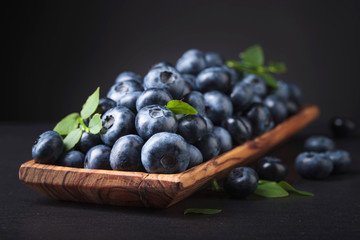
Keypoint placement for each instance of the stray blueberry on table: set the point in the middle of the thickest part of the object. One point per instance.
(241, 182)
(272, 169)
(341, 160)
(319, 144)
(313, 165)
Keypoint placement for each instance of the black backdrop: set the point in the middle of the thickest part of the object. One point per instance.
(57, 52)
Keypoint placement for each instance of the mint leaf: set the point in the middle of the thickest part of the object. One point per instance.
(269, 80)
(201, 211)
(288, 187)
(72, 139)
(67, 124)
(277, 67)
(270, 190)
(90, 105)
(95, 124)
(253, 56)
(180, 107)
(214, 186)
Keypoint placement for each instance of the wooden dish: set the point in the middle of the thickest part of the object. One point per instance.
(153, 190)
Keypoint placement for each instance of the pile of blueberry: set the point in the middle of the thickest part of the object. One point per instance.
(321, 159)
(140, 134)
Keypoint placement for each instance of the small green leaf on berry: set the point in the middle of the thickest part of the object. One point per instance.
(201, 211)
(90, 105)
(180, 107)
(95, 124)
(67, 124)
(72, 139)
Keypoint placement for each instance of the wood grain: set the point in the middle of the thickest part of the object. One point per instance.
(153, 190)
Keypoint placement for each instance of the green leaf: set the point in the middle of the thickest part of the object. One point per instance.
(253, 56)
(90, 105)
(270, 190)
(277, 67)
(67, 124)
(95, 124)
(180, 107)
(290, 188)
(214, 186)
(269, 80)
(201, 211)
(72, 139)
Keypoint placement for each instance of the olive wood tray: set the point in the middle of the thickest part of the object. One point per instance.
(153, 190)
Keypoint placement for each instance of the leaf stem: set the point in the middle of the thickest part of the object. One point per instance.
(83, 125)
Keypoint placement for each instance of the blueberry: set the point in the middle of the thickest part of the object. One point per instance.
(283, 90)
(214, 59)
(258, 85)
(122, 88)
(196, 100)
(241, 182)
(218, 106)
(209, 146)
(292, 107)
(277, 108)
(224, 139)
(47, 148)
(72, 159)
(154, 119)
(87, 141)
(214, 78)
(126, 153)
(234, 75)
(105, 104)
(241, 96)
(313, 165)
(117, 122)
(319, 144)
(98, 158)
(239, 128)
(129, 100)
(162, 64)
(256, 99)
(342, 127)
(341, 160)
(196, 157)
(125, 76)
(295, 93)
(209, 125)
(192, 128)
(167, 78)
(189, 83)
(153, 96)
(260, 118)
(272, 169)
(165, 153)
(192, 62)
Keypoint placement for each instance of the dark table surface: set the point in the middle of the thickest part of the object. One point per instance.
(333, 213)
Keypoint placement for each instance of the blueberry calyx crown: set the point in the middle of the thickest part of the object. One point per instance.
(167, 77)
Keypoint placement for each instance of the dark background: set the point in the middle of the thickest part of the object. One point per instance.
(57, 52)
